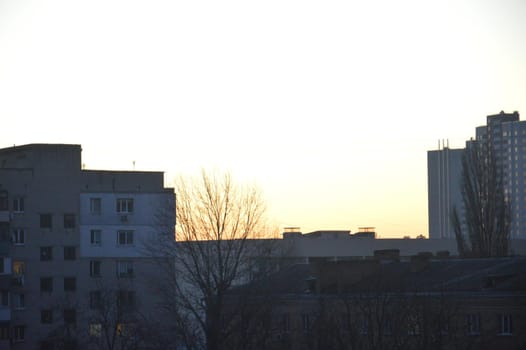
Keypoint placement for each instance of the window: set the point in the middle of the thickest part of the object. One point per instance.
(124, 269)
(70, 253)
(69, 220)
(473, 324)
(4, 297)
(19, 301)
(45, 221)
(95, 330)
(95, 206)
(4, 202)
(124, 329)
(19, 333)
(95, 299)
(126, 299)
(19, 268)
(285, 323)
(124, 238)
(363, 325)
(46, 253)
(306, 321)
(505, 324)
(70, 284)
(46, 284)
(4, 332)
(46, 316)
(19, 236)
(18, 205)
(94, 268)
(124, 205)
(70, 316)
(95, 237)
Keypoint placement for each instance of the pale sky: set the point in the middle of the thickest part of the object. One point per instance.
(329, 106)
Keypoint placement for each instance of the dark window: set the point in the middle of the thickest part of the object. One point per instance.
(69, 220)
(19, 236)
(18, 205)
(70, 316)
(46, 284)
(95, 237)
(95, 298)
(94, 268)
(94, 205)
(5, 297)
(45, 221)
(19, 333)
(505, 324)
(124, 205)
(70, 284)
(69, 253)
(4, 202)
(4, 332)
(46, 316)
(125, 238)
(124, 268)
(46, 253)
(126, 299)
(473, 324)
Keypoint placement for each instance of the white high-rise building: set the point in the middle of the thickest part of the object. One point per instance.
(506, 137)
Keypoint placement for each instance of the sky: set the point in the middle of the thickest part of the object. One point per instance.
(328, 106)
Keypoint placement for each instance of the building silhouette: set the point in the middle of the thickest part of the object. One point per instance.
(504, 135)
(69, 238)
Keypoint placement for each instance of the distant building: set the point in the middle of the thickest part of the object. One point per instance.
(423, 303)
(444, 169)
(505, 135)
(69, 238)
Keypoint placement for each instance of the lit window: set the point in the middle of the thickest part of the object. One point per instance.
(124, 205)
(19, 268)
(125, 238)
(95, 330)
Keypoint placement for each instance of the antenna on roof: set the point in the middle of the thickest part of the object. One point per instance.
(133, 165)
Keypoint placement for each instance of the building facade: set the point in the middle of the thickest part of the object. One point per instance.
(504, 136)
(70, 237)
(444, 169)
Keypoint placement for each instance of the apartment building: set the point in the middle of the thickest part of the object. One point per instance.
(69, 237)
(505, 137)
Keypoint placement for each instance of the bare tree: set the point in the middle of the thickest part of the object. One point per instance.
(217, 222)
(487, 210)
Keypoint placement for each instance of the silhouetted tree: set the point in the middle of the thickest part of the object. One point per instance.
(216, 221)
(487, 210)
